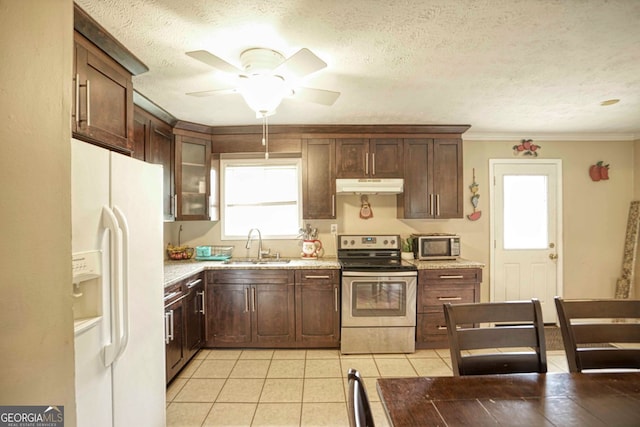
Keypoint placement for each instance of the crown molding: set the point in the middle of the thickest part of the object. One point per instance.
(481, 136)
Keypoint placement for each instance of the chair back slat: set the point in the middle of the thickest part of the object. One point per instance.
(524, 329)
(497, 337)
(602, 309)
(499, 312)
(606, 333)
(588, 322)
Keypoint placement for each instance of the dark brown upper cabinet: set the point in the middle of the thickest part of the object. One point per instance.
(319, 178)
(369, 158)
(193, 178)
(153, 143)
(432, 179)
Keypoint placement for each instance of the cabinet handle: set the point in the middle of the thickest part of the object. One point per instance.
(246, 300)
(366, 163)
(373, 163)
(333, 205)
(442, 328)
(166, 328)
(335, 296)
(316, 277)
(452, 276)
(201, 294)
(171, 325)
(253, 300)
(88, 103)
(193, 283)
(449, 298)
(437, 205)
(77, 99)
(174, 207)
(431, 204)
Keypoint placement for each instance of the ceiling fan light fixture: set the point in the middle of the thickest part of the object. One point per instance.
(263, 92)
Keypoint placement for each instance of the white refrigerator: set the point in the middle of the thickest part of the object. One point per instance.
(118, 290)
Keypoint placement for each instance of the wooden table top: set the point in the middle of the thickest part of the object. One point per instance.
(562, 399)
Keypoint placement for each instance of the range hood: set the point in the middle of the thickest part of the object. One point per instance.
(370, 186)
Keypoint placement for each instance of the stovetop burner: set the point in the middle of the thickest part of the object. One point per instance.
(371, 253)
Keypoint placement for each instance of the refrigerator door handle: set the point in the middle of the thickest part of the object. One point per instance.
(110, 222)
(124, 299)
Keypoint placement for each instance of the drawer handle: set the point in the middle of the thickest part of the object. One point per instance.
(449, 298)
(442, 328)
(316, 277)
(452, 276)
(193, 283)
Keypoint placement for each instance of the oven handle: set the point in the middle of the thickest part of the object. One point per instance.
(381, 273)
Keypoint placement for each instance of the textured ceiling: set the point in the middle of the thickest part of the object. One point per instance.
(506, 67)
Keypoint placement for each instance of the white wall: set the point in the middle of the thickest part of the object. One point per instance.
(595, 214)
(36, 321)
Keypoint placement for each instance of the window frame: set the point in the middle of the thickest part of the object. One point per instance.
(224, 163)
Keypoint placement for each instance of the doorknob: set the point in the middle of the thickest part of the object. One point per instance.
(553, 256)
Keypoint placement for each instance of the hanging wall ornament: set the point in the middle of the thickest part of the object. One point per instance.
(526, 148)
(365, 208)
(475, 215)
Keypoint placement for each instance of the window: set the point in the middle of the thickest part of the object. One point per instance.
(525, 212)
(262, 194)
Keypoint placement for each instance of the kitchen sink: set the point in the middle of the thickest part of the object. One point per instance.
(255, 261)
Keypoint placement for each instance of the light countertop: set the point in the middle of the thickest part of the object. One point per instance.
(174, 271)
(444, 264)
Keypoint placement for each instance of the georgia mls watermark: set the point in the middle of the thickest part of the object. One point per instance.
(31, 416)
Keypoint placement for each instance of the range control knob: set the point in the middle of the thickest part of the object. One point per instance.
(386, 242)
(345, 242)
(393, 242)
(353, 242)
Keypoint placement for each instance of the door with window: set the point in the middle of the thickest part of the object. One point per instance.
(526, 231)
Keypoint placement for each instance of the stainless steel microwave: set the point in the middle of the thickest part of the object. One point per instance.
(436, 246)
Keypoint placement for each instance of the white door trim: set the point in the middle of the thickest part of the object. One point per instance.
(492, 226)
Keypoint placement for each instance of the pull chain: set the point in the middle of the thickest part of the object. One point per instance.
(265, 135)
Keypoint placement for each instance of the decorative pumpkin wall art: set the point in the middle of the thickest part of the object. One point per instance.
(599, 171)
(526, 148)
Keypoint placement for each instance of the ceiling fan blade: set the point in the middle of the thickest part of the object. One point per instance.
(319, 96)
(301, 63)
(212, 92)
(212, 60)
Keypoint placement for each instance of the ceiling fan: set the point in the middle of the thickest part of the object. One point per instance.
(267, 77)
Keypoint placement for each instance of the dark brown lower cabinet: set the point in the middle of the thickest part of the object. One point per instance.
(318, 308)
(194, 313)
(184, 321)
(250, 308)
(175, 351)
(436, 288)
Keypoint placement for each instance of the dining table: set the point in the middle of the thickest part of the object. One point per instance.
(552, 399)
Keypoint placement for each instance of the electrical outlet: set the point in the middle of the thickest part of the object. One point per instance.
(334, 228)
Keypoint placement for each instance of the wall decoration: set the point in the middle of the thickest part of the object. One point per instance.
(599, 171)
(475, 215)
(526, 148)
(365, 209)
(624, 282)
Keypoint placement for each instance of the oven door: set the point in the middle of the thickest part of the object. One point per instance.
(379, 298)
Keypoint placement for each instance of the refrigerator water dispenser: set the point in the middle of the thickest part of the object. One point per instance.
(87, 278)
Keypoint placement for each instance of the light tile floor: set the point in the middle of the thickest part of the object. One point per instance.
(291, 387)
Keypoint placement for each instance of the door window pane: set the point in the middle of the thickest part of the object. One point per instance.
(525, 212)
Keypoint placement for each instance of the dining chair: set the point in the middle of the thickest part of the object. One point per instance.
(592, 331)
(359, 408)
(513, 329)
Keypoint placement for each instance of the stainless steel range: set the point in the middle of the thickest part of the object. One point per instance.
(378, 295)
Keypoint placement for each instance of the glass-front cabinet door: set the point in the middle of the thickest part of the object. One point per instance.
(193, 165)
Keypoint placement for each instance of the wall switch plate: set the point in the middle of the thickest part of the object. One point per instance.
(334, 228)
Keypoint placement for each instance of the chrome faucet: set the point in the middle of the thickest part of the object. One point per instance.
(248, 246)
